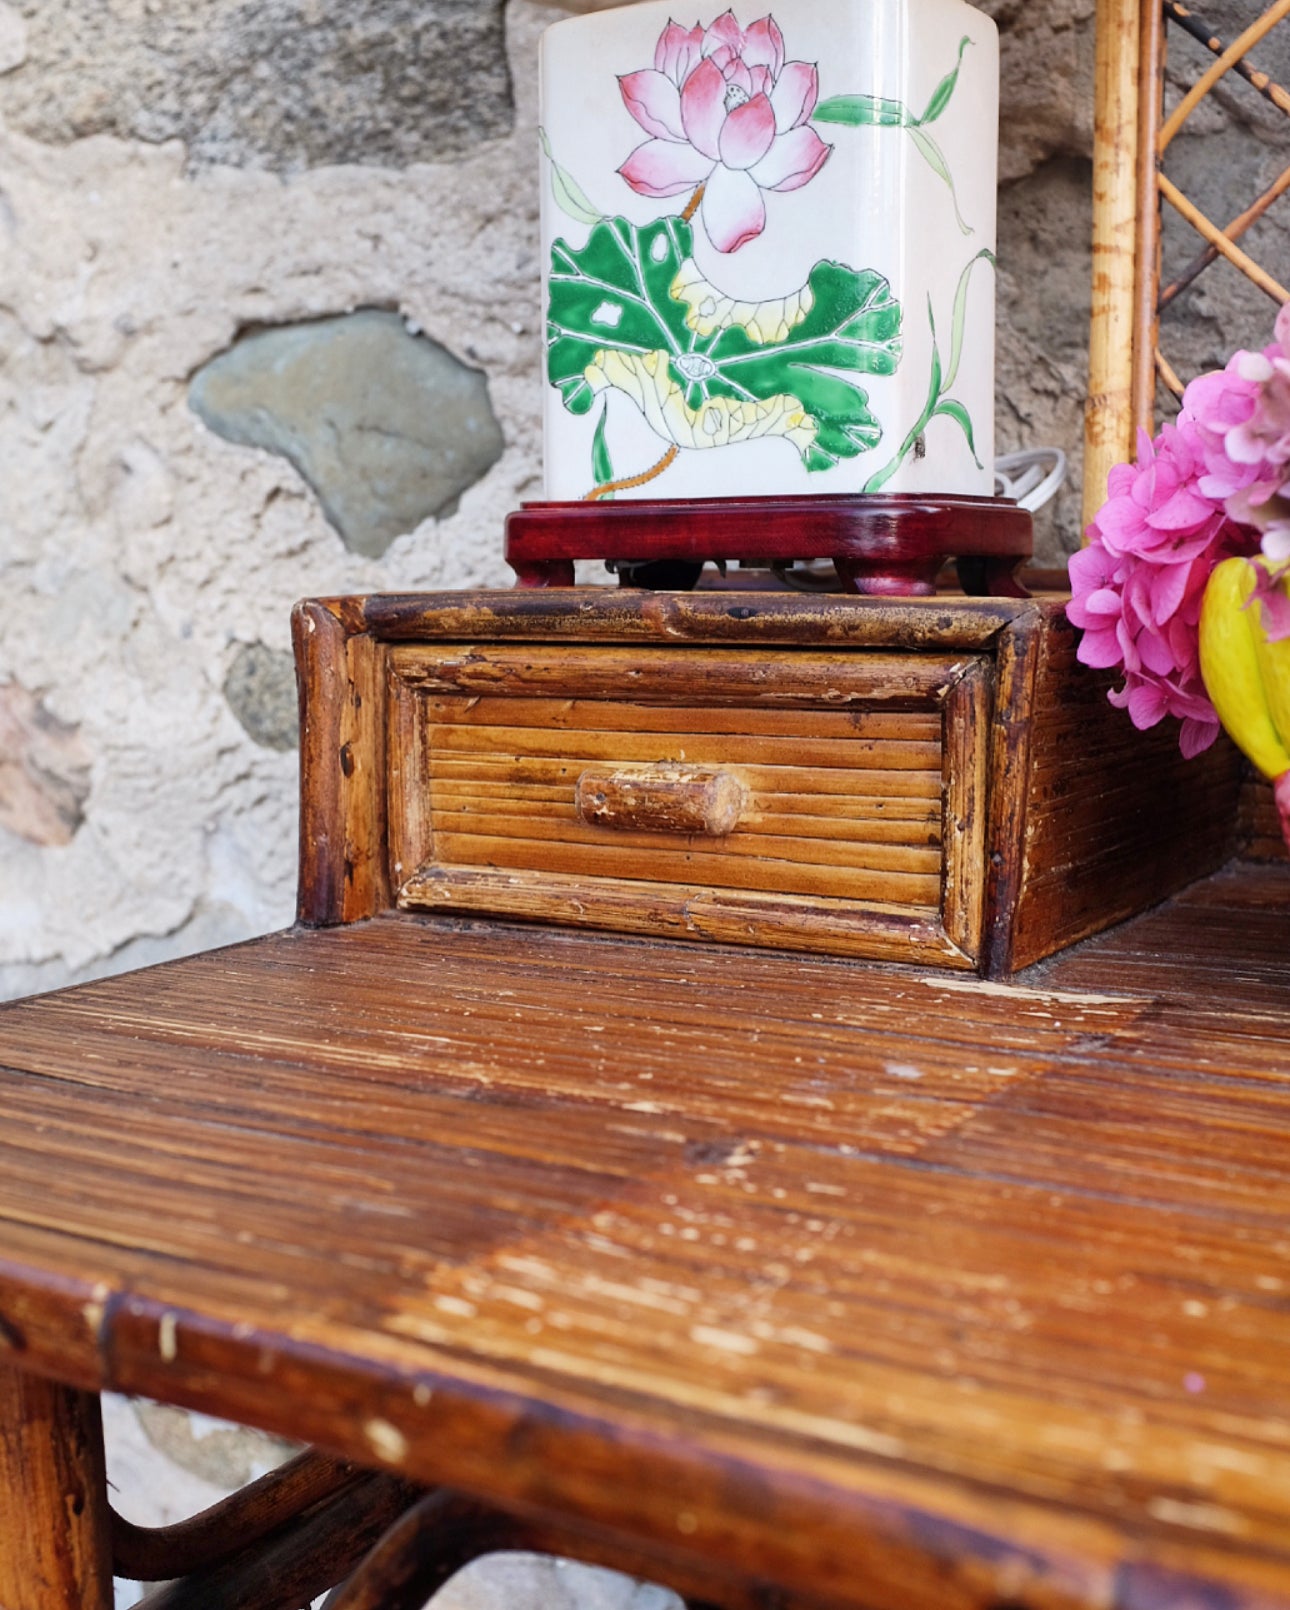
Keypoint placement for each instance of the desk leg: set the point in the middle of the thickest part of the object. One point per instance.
(55, 1549)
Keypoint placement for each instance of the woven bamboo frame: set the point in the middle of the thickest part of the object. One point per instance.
(1131, 138)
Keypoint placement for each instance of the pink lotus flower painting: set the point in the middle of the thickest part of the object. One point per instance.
(725, 111)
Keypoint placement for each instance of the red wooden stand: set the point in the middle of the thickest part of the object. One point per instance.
(891, 545)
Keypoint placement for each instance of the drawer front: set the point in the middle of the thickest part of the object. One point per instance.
(771, 798)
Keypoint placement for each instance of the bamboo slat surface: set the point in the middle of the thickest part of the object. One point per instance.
(903, 1289)
(476, 743)
(855, 781)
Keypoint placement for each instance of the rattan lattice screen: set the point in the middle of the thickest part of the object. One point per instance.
(1132, 288)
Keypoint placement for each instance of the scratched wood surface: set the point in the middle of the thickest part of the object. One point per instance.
(904, 1289)
(1113, 818)
(366, 818)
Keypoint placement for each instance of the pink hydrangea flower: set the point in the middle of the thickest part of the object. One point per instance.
(1243, 413)
(1136, 589)
(724, 109)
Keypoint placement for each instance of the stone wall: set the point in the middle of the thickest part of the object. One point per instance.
(195, 207)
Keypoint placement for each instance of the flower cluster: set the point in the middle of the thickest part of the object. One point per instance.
(1213, 484)
(1136, 589)
(725, 110)
(1243, 414)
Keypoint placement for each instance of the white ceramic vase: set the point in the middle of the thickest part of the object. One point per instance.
(768, 243)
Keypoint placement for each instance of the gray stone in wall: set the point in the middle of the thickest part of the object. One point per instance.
(261, 691)
(266, 83)
(388, 428)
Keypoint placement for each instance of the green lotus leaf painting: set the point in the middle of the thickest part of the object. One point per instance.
(631, 312)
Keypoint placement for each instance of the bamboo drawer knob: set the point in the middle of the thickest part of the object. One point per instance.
(662, 798)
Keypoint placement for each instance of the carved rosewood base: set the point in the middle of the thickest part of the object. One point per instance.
(885, 545)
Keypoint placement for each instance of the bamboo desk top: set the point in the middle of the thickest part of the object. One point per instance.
(895, 1288)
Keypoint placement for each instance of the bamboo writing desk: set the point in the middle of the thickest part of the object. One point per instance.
(777, 1277)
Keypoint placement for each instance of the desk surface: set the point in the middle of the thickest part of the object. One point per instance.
(908, 1290)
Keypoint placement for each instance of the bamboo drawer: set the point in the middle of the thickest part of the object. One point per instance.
(930, 781)
(746, 795)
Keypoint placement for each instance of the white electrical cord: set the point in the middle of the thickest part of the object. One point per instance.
(1032, 477)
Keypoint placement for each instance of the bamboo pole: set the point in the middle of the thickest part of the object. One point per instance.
(55, 1549)
(1266, 86)
(1146, 328)
(1232, 231)
(1108, 423)
(1220, 242)
(1169, 375)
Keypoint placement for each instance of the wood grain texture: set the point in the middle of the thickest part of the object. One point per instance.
(1259, 832)
(838, 761)
(816, 924)
(965, 765)
(661, 797)
(408, 813)
(1007, 818)
(1014, 717)
(887, 544)
(55, 1552)
(234, 1524)
(445, 1532)
(892, 673)
(891, 1288)
(1108, 418)
(1115, 819)
(621, 615)
(343, 744)
(300, 1561)
(319, 641)
(1152, 51)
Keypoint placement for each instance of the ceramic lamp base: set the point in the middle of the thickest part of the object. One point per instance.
(886, 545)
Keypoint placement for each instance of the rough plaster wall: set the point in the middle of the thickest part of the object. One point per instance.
(140, 553)
(1045, 252)
(264, 83)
